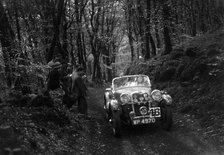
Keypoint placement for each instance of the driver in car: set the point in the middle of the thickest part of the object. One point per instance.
(140, 80)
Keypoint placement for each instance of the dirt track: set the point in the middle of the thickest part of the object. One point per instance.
(145, 140)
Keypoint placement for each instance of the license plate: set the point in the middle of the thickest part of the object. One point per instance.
(144, 121)
(155, 112)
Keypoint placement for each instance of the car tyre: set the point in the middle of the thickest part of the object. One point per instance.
(108, 114)
(116, 124)
(167, 118)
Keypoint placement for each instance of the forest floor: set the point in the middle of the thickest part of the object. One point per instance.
(31, 131)
(197, 87)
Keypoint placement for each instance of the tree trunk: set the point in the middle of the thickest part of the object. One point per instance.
(130, 38)
(72, 50)
(166, 32)
(79, 37)
(17, 22)
(129, 25)
(153, 46)
(193, 16)
(55, 44)
(65, 39)
(202, 21)
(79, 48)
(141, 24)
(84, 50)
(158, 42)
(96, 70)
(156, 22)
(6, 38)
(147, 33)
(167, 40)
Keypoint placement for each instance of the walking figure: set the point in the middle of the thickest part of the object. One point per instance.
(79, 87)
(54, 89)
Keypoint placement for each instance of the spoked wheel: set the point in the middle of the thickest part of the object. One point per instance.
(167, 118)
(116, 124)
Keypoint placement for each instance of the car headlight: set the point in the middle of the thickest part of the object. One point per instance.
(125, 98)
(114, 104)
(167, 98)
(156, 95)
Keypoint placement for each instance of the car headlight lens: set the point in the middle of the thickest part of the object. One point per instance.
(168, 99)
(132, 114)
(156, 95)
(114, 104)
(125, 98)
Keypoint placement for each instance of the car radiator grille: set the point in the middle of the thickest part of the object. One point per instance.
(139, 100)
(138, 106)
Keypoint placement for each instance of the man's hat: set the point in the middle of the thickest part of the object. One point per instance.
(56, 65)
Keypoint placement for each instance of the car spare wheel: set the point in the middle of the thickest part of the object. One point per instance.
(167, 118)
(116, 124)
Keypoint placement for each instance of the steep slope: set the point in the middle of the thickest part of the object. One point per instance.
(194, 75)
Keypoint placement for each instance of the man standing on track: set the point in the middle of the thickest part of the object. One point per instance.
(79, 87)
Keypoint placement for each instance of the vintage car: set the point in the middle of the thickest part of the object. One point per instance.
(130, 101)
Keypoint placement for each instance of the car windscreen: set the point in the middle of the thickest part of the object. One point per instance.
(130, 81)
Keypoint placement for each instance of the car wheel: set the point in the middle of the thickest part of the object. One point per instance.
(116, 124)
(167, 118)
